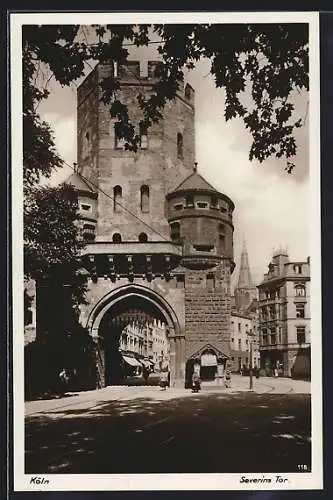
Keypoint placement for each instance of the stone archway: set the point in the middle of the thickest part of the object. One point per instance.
(129, 301)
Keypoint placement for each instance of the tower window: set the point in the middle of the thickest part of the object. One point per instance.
(143, 238)
(178, 206)
(214, 202)
(117, 196)
(116, 238)
(180, 146)
(144, 191)
(143, 136)
(202, 204)
(221, 230)
(88, 232)
(85, 207)
(175, 230)
(189, 201)
(210, 281)
(118, 141)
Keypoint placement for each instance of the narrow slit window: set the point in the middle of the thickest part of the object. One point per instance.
(143, 136)
(144, 191)
(117, 196)
(180, 146)
(119, 142)
(175, 231)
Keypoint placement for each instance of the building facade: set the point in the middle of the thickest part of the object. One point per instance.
(284, 317)
(240, 342)
(159, 238)
(145, 346)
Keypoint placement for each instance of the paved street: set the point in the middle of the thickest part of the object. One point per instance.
(146, 430)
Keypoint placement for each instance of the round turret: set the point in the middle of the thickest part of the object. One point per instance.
(200, 218)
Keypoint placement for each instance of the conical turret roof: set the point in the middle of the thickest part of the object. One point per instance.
(195, 182)
(80, 184)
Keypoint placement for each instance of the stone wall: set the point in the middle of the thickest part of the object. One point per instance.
(207, 311)
(108, 166)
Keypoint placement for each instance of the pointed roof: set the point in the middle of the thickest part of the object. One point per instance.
(195, 182)
(209, 347)
(244, 279)
(80, 183)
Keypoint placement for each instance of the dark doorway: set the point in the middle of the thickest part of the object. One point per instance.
(208, 372)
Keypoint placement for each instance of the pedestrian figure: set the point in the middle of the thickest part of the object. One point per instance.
(276, 372)
(145, 374)
(227, 379)
(63, 380)
(163, 380)
(196, 385)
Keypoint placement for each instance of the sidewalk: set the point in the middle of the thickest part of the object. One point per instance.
(87, 399)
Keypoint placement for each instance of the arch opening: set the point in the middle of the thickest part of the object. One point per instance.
(132, 327)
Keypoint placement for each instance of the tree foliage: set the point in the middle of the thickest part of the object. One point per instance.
(52, 239)
(268, 61)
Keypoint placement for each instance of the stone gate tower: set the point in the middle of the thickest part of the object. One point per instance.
(159, 237)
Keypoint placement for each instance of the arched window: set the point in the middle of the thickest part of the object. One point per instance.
(144, 190)
(180, 152)
(116, 238)
(175, 231)
(117, 195)
(143, 238)
(300, 290)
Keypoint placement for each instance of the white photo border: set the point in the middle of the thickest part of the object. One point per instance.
(146, 482)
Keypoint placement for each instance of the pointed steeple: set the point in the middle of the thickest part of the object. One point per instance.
(245, 291)
(244, 279)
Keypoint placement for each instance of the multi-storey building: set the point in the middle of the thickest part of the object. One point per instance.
(145, 345)
(243, 332)
(159, 236)
(284, 320)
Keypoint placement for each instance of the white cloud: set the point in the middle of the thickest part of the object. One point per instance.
(270, 209)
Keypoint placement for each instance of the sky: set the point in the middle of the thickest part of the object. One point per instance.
(271, 206)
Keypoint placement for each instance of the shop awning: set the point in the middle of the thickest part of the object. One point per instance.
(146, 363)
(131, 361)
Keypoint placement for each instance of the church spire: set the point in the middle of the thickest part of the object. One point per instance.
(244, 279)
(245, 291)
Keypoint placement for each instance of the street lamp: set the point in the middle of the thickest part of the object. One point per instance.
(251, 334)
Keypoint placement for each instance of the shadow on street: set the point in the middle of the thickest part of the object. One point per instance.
(200, 434)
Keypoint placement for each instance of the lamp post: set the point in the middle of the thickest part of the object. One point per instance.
(251, 334)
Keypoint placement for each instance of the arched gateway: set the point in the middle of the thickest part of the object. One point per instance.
(118, 308)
